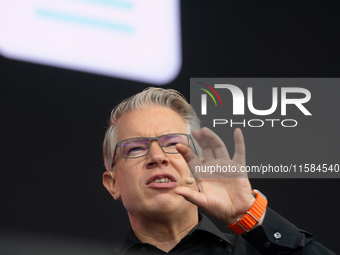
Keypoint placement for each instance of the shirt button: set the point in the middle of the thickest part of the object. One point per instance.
(143, 249)
(277, 235)
(267, 244)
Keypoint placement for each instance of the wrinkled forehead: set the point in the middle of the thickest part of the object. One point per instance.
(150, 122)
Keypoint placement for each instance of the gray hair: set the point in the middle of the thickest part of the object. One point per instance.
(148, 98)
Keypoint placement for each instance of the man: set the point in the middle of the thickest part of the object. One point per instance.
(148, 152)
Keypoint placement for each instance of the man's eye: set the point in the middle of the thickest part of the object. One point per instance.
(135, 149)
(171, 144)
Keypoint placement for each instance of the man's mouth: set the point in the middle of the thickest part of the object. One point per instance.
(163, 180)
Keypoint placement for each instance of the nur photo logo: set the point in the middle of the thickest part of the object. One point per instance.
(242, 100)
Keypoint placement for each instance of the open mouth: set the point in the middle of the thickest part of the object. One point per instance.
(162, 180)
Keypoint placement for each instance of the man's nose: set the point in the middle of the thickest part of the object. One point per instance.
(156, 155)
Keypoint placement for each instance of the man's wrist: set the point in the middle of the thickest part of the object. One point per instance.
(253, 217)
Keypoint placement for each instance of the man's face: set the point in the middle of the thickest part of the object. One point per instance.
(133, 177)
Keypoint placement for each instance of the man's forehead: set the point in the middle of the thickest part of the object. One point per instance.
(150, 122)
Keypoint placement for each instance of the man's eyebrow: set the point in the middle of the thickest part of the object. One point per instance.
(172, 135)
(134, 139)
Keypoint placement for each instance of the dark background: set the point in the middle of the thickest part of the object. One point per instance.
(53, 120)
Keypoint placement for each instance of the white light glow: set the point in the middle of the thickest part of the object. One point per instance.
(131, 39)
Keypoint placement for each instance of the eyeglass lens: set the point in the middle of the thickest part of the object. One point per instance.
(137, 147)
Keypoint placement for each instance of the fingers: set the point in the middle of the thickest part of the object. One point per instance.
(192, 196)
(240, 148)
(211, 144)
(213, 148)
(204, 144)
(190, 157)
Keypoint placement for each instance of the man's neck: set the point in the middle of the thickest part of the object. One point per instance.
(164, 233)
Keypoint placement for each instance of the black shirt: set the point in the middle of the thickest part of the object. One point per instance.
(275, 236)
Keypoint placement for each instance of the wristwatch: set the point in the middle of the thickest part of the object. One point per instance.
(252, 216)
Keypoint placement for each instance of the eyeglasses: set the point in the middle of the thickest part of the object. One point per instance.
(139, 146)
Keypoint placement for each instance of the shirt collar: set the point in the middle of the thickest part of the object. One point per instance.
(204, 225)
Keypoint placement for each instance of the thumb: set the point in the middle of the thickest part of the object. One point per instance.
(192, 196)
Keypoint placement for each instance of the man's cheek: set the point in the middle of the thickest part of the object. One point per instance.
(194, 186)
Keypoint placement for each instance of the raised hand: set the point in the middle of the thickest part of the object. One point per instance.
(224, 195)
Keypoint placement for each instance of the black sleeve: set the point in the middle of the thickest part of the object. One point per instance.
(276, 235)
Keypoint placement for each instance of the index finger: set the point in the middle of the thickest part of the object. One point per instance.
(187, 153)
(217, 145)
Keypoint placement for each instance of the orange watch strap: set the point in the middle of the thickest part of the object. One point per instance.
(251, 218)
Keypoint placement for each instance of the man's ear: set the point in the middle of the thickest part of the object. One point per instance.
(110, 183)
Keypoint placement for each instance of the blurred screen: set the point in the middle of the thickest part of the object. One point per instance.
(131, 39)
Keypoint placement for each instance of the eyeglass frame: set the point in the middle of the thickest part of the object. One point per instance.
(156, 138)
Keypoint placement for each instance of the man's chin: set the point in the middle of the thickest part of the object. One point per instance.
(166, 202)
(173, 207)
(162, 206)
